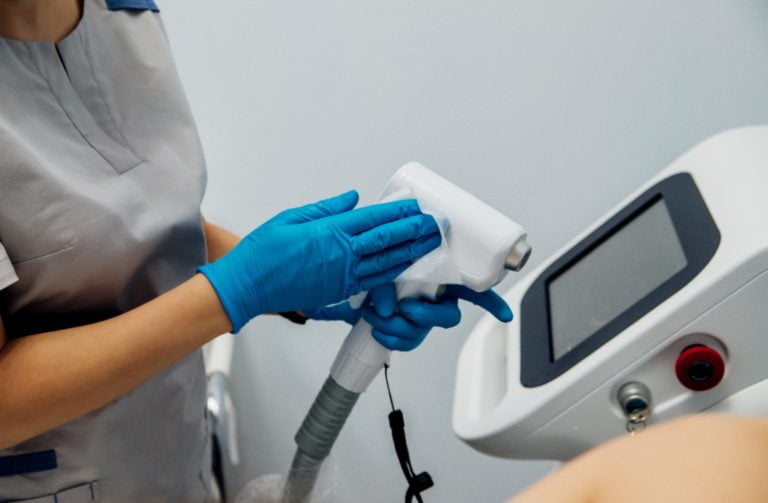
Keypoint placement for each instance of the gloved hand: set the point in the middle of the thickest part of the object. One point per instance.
(402, 326)
(319, 254)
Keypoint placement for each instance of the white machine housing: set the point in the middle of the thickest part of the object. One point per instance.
(725, 307)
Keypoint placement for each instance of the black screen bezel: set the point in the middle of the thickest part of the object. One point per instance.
(699, 238)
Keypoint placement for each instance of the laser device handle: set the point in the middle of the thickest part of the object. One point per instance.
(361, 357)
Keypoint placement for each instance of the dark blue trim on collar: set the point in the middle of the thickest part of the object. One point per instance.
(132, 5)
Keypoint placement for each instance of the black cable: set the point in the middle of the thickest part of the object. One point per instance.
(389, 391)
(417, 483)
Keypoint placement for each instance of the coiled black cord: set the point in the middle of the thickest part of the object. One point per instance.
(417, 483)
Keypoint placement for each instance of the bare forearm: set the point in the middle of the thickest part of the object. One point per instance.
(219, 240)
(49, 379)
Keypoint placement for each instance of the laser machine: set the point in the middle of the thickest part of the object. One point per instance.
(657, 310)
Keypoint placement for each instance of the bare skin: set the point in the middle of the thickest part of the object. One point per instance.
(704, 458)
(218, 240)
(39, 19)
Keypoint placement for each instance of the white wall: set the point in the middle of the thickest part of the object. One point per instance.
(551, 110)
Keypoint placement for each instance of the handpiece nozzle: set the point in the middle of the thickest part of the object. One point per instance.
(518, 256)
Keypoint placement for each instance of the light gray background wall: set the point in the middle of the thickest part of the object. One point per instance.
(550, 110)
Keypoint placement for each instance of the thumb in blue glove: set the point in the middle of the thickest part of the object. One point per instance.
(402, 326)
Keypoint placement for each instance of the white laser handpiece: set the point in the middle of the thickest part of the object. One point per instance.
(480, 246)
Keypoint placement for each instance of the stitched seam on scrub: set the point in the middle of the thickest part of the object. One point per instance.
(87, 44)
(66, 248)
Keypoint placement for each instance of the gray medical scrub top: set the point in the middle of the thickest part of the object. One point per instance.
(101, 180)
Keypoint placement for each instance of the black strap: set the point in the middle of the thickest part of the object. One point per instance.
(295, 317)
(417, 483)
(32, 462)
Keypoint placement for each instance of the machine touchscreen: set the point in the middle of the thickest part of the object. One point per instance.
(614, 276)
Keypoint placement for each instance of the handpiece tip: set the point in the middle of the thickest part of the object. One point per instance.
(519, 255)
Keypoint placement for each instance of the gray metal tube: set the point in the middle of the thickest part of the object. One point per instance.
(316, 437)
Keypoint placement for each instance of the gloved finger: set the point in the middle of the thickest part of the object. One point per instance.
(388, 276)
(325, 208)
(488, 300)
(394, 233)
(363, 219)
(444, 313)
(407, 252)
(393, 325)
(340, 312)
(384, 299)
(395, 343)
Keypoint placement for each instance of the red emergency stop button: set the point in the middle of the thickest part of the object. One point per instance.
(700, 367)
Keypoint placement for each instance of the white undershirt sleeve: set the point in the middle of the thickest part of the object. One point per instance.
(7, 273)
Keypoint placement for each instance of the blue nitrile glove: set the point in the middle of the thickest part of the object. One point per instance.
(406, 328)
(319, 254)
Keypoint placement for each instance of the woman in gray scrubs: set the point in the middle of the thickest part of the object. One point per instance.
(102, 308)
